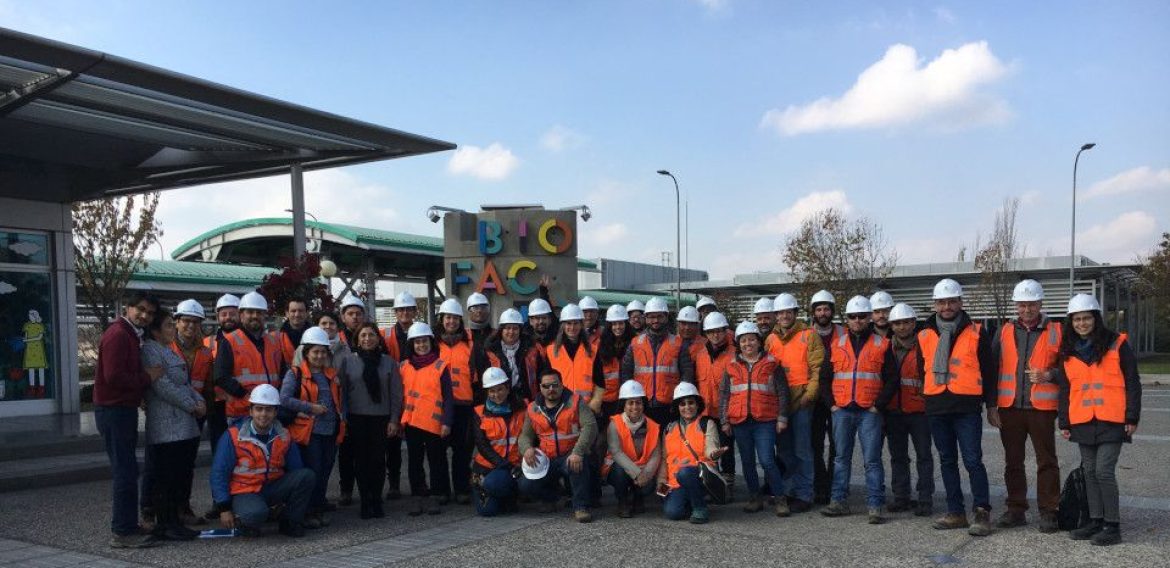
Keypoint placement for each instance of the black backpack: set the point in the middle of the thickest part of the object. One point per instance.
(1074, 503)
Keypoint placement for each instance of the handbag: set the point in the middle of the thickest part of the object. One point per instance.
(1073, 511)
(713, 483)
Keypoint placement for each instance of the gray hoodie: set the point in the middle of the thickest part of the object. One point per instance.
(171, 399)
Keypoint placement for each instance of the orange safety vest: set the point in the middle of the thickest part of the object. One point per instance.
(257, 464)
(752, 394)
(287, 349)
(677, 455)
(531, 366)
(558, 436)
(576, 372)
(302, 428)
(696, 346)
(390, 340)
(612, 371)
(964, 377)
(858, 379)
(458, 358)
(628, 447)
(252, 368)
(709, 377)
(201, 369)
(423, 400)
(657, 372)
(1097, 392)
(792, 354)
(1044, 354)
(503, 433)
(908, 399)
(211, 342)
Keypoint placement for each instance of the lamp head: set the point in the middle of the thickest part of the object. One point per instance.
(663, 172)
(1088, 146)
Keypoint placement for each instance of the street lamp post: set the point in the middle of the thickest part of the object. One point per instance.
(1072, 257)
(677, 243)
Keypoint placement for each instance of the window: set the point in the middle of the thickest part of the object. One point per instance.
(27, 333)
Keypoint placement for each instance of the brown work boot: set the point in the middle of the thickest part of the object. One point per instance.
(753, 505)
(782, 509)
(623, 509)
(583, 516)
(1011, 519)
(951, 521)
(981, 526)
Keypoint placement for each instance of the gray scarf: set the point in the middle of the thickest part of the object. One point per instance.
(941, 366)
(510, 352)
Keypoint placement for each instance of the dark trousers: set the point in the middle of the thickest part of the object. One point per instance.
(319, 455)
(547, 488)
(293, 489)
(216, 424)
(1016, 426)
(345, 466)
(394, 462)
(822, 427)
(460, 442)
(624, 487)
(1100, 466)
(954, 434)
(367, 436)
(421, 445)
(727, 461)
(498, 486)
(173, 464)
(688, 497)
(902, 430)
(118, 426)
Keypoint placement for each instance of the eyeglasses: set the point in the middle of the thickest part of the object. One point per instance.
(688, 402)
(551, 386)
(858, 316)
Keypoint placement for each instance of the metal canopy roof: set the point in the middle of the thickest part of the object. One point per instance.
(78, 124)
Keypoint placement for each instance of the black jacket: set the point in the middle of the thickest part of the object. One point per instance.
(951, 403)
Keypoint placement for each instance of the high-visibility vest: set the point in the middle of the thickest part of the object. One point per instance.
(423, 400)
(657, 372)
(908, 398)
(211, 342)
(709, 377)
(302, 428)
(258, 464)
(1097, 391)
(858, 379)
(752, 394)
(1043, 396)
(559, 435)
(458, 358)
(287, 349)
(963, 377)
(676, 453)
(531, 363)
(628, 448)
(503, 434)
(576, 372)
(696, 346)
(200, 370)
(612, 371)
(390, 340)
(792, 354)
(252, 368)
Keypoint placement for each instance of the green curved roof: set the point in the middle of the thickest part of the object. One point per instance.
(210, 273)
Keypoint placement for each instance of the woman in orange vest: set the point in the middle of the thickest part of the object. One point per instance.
(1100, 406)
(710, 362)
(686, 442)
(574, 357)
(611, 347)
(427, 414)
(313, 391)
(456, 349)
(508, 348)
(631, 464)
(497, 426)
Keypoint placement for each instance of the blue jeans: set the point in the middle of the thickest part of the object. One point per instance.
(688, 497)
(623, 484)
(953, 433)
(758, 439)
(850, 424)
(294, 489)
(499, 485)
(797, 456)
(545, 488)
(118, 426)
(319, 456)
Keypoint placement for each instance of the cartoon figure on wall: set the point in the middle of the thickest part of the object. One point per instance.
(35, 360)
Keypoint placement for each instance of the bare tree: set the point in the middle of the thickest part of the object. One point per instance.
(110, 239)
(993, 261)
(846, 257)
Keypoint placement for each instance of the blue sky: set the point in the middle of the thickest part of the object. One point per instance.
(922, 116)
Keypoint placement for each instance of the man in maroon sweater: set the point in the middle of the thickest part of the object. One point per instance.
(119, 384)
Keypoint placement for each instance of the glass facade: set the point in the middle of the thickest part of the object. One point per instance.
(27, 333)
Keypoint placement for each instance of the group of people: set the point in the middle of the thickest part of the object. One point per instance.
(560, 403)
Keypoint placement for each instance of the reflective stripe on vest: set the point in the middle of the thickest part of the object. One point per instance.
(257, 464)
(908, 398)
(576, 372)
(1042, 396)
(709, 377)
(657, 371)
(558, 436)
(963, 376)
(858, 378)
(1097, 392)
(423, 403)
(752, 394)
(612, 371)
(252, 368)
(458, 358)
(503, 434)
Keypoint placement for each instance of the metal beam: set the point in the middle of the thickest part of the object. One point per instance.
(33, 90)
(298, 210)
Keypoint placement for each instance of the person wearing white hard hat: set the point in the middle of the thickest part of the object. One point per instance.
(956, 356)
(865, 379)
(573, 356)
(822, 310)
(227, 318)
(800, 352)
(353, 315)
(1027, 349)
(513, 351)
(657, 360)
(479, 313)
(633, 456)
(592, 321)
(636, 311)
(705, 305)
(405, 311)
(559, 424)
(247, 357)
(188, 344)
(711, 361)
(497, 426)
(1099, 409)
(456, 349)
(689, 324)
(271, 473)
(427, 417)
(881, 302)
(296, 321)
(764, 315)
(905, 419)
(687, 440)
(541, 320)
(611, 349)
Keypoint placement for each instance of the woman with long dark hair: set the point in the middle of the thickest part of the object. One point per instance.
(616, 335)
(428, 412)
(508, 348)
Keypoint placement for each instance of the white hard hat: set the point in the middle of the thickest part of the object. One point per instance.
(631, 389)
(265, 395)
(588, 303)
(254, 301)
(822, 297)
(227, 301)
(404, 300)
(715, 320)
(763, 306)
(315, 336)
(901, 312)
(510, 316)
(477, 299)
(419, 329)
(689, 314)
(1028, 291)
(1083, 303)
(705, 301)
(684, 390)
(451, 306)
(539, 470)
(616, 312)
(539, 307)
(352, 301)
(190, 308)
(635, 306)
(947, 288)
(785, 301)
(656, 306)
(746, 327)
(880, 300)
(572, 312)
(858, 305)
(494, 376)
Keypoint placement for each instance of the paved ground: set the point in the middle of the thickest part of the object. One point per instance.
(68, 526)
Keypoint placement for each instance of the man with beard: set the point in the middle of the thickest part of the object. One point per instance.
(296, 321)
(247, 357)
(881, 302)
(824, 307)
(656, 359)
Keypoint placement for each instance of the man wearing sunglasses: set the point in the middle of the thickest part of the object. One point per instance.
(561, 425)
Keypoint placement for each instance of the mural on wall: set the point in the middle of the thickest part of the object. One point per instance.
(26, 304)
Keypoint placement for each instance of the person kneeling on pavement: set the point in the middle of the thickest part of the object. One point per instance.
(682, 442)
(631, 464)
(497, 425)
(564, 428)
(257, 466)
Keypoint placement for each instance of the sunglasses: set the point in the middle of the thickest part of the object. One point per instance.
(551, 386)
(858, 316)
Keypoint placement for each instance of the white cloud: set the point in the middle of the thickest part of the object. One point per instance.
(1030, 198)
(560, 138)
(493, 163)
(714, 5)
(1118, 240)
(789, 219)
(1143, 178)
(899, 89)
